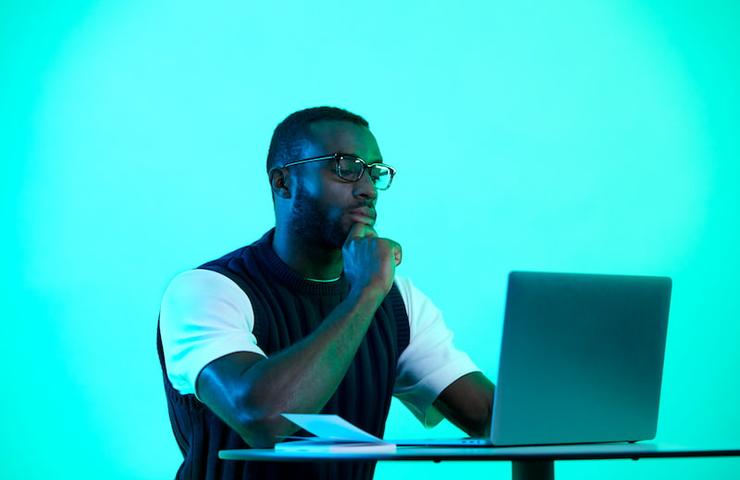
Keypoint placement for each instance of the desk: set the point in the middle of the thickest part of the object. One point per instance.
(528, 463)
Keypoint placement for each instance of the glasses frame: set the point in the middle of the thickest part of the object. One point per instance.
(336, 156)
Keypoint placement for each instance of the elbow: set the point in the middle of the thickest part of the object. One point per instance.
(249, 407)
(261, 426)
(260, 431)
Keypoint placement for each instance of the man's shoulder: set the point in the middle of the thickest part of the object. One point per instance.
(418, 305)
(402, 282)
(406, 288)
(241, 253)
(238, 258)
(199, 282)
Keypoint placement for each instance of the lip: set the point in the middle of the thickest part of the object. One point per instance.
(364, 211)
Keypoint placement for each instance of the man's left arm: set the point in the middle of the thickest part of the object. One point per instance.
(435, 379)
(468, 404)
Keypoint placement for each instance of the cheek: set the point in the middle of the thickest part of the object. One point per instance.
(335, 195)
(331, 196)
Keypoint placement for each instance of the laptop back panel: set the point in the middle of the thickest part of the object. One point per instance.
(581, 358)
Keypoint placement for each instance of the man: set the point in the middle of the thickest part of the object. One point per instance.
(310, 318)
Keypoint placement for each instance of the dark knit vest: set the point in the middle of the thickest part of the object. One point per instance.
(287, 308)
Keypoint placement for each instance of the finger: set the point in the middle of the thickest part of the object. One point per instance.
(369, 231)
(361, 230)
(397, 253)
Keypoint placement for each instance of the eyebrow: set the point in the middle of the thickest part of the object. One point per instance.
(368, 161)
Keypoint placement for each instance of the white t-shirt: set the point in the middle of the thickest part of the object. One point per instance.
(204, 315)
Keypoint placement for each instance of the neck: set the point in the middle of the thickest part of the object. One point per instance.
(309, 259)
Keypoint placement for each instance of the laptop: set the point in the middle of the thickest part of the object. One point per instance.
(581, 360)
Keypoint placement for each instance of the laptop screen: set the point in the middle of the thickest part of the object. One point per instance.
(581, 358)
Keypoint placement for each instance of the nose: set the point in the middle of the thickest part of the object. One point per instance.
(365, 188)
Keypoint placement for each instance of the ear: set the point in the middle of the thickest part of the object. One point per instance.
(279, 179)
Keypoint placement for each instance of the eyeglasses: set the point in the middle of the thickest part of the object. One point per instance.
(350, 167)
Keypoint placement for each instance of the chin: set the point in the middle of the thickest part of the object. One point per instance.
(336, 234)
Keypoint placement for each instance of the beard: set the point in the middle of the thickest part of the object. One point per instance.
(315, 223)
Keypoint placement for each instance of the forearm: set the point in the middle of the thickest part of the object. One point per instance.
(468, 404)
(303, 377)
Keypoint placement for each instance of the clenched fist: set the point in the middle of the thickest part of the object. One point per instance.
(370, 261)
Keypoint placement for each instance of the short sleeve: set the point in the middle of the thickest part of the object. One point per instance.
(203, 316)
(431, 362)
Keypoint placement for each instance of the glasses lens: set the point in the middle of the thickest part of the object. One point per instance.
(350, 168)
(382, 176)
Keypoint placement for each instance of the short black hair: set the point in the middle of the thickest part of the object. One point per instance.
(290, 134)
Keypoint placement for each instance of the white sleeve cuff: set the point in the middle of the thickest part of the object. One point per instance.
(419, 398)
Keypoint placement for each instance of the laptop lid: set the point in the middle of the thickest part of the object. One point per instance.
(581, 358)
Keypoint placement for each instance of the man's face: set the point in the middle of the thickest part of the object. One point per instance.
(324, 206)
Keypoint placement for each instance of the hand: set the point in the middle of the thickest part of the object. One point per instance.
(370, 261)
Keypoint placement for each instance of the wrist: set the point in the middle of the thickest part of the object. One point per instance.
(369, 295)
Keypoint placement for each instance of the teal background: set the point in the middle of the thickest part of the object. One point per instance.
(549, 135)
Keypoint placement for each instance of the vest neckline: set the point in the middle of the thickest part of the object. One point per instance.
(290, 277)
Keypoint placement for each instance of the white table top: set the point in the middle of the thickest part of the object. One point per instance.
(549, 452)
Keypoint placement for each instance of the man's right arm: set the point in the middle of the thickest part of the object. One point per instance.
(249, 391)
